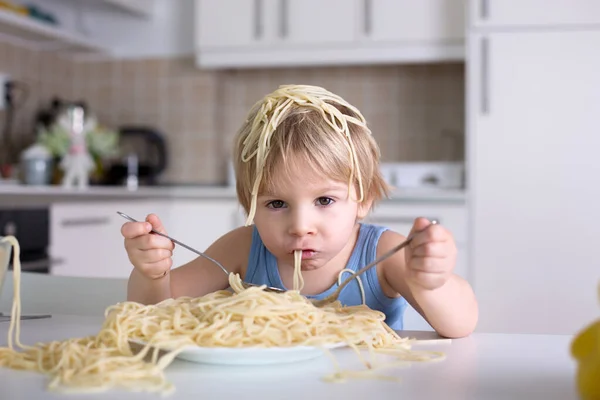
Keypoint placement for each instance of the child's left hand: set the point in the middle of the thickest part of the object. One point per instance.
(431, 256)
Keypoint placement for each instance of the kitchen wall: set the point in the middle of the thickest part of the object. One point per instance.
(416, 112)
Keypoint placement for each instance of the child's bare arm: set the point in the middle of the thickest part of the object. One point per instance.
(201, 276)
(152, 281)
(423, 276)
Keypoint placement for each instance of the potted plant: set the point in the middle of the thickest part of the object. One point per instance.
(101, 143)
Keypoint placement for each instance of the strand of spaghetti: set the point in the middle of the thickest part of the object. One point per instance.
(273, 109)
(83, 364)
(298, 278)
(248, 317)
(14, 329)
(358, 280)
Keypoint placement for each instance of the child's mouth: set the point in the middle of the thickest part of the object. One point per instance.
(307, 253)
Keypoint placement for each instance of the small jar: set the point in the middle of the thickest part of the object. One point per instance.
(36, 166)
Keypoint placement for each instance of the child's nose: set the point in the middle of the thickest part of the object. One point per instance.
(301, 224)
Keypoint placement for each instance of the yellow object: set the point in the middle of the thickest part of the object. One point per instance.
(585, 348)
(10, 6)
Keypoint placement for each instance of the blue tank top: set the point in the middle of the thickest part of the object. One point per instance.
(262, 270)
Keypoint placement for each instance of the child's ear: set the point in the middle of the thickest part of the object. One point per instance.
(364, 208)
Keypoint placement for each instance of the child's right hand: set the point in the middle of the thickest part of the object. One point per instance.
(150, 254)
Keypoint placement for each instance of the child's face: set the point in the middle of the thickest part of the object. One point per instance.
(309, 212)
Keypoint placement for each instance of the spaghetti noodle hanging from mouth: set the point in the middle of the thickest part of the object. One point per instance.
(298, 283)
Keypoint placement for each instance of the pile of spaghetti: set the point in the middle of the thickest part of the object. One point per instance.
(237, 318)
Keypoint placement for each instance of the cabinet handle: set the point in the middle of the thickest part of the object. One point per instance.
(485, 78)
(258, 22)
(283, 22)
(484, 9)
(85, 221)
(368, 16)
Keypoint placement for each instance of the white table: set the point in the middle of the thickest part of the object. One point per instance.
(482, 366)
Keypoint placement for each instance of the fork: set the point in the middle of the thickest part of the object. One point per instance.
(333, 296)
(245, 284)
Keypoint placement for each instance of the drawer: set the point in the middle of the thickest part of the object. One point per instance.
(86, 240)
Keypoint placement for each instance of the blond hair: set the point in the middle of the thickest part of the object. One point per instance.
(310, 125)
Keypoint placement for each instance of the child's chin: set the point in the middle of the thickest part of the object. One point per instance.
(311, 265)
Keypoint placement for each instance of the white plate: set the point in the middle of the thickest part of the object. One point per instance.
(251, 355)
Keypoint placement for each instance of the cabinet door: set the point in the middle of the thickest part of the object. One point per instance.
(408, 20)
(86, 240)
(80, 242)
(505, 13)
(319, 22)
(229, 23)
(198, 223)
(533, 176)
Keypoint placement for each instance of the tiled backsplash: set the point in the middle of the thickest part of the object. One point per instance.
(416, 112)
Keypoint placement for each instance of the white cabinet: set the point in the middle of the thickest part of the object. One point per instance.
(532, 13)
(244, 24)
(198, 223)
(86, 240)
(533, 177)
(400, 216)
(82, 27)
(267, 33)
(229, 23)
(409, 20)
(317, 22)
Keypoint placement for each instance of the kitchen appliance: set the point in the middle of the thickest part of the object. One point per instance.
(31, 227)
(46, 117)
(144, 155)
(424, 175)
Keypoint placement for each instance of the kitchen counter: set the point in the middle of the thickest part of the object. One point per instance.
(482, 366)
(13, 194)
(155, 192)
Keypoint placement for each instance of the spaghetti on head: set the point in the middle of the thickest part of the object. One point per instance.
(308, 125)
(235, 319)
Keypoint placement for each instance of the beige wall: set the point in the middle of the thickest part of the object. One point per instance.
(416, 112)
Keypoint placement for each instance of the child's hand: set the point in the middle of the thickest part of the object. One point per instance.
(431, 256)
(149, 253)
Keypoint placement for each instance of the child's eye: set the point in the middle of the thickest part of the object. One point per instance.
(276, 204)
(324, 201)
